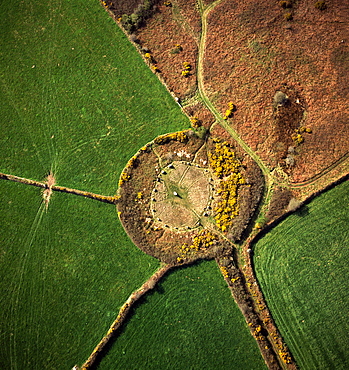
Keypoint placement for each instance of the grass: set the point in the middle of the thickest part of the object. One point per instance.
(75, 96)
(64, 274)
(71, 102)
(302, 266)
(189, 322)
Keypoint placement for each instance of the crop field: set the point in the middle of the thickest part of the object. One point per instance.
(302, 266)
(71, 103)
(188, 322)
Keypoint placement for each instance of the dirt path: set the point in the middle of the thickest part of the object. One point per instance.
(269, 181)
(272, 358)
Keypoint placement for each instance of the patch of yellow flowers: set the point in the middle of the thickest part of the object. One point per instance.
(201, 242)
(180, 136)
(226, 167)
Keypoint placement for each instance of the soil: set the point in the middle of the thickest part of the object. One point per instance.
(169, 27)
(256, 52)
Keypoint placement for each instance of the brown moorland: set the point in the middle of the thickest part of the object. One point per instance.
(250, 55)
(256, 52)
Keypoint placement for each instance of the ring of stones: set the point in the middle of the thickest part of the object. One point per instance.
(182, 195)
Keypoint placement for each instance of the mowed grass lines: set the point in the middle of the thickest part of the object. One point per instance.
(189, 322)
(75, 96)
(76, 99)
(302, 265)
(63, 276)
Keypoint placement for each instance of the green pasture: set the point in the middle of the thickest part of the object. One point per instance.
(302, 265)
(75, 96)
(75, 99)
(64, 275)
(189, 322)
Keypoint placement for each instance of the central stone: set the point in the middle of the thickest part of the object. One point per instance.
(182, 195)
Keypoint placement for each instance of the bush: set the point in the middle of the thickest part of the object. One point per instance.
(288, 16)
(127, 23)
(321, 5)
(138, 17)
(280, 99)
(293, 205)
(285, 4)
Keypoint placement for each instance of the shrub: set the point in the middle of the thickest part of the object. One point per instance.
(280, 99)
(288, 16)
(293, 205)
(201, 132)
(134, 38)
(127, 23)
(177, 49)
(321, 5)
(285, 4)
(195, 122)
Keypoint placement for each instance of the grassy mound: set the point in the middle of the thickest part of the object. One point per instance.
(302, 266)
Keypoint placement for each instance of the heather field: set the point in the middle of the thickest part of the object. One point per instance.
(302, 266)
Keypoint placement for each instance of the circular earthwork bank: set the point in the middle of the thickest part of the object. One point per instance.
(170, 198)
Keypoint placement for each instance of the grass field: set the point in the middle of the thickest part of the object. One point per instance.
(189, 322)
(64, 274)
(75, 96)
(71, 102)
(302, 266)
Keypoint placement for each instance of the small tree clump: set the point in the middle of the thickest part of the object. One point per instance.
(280, 99)
(134, 21)
(293, 205)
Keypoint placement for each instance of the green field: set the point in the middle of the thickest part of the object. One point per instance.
(64, 274)
(302, 265)
(189, 322)
(75, 96)
(72, 103)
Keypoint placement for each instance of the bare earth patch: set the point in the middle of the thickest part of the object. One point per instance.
(50, 181)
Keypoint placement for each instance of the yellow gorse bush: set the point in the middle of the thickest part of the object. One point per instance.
(201, 242)
(226, 167)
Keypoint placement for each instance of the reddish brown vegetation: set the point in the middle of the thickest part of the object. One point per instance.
(254, 52)
(171, 26)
